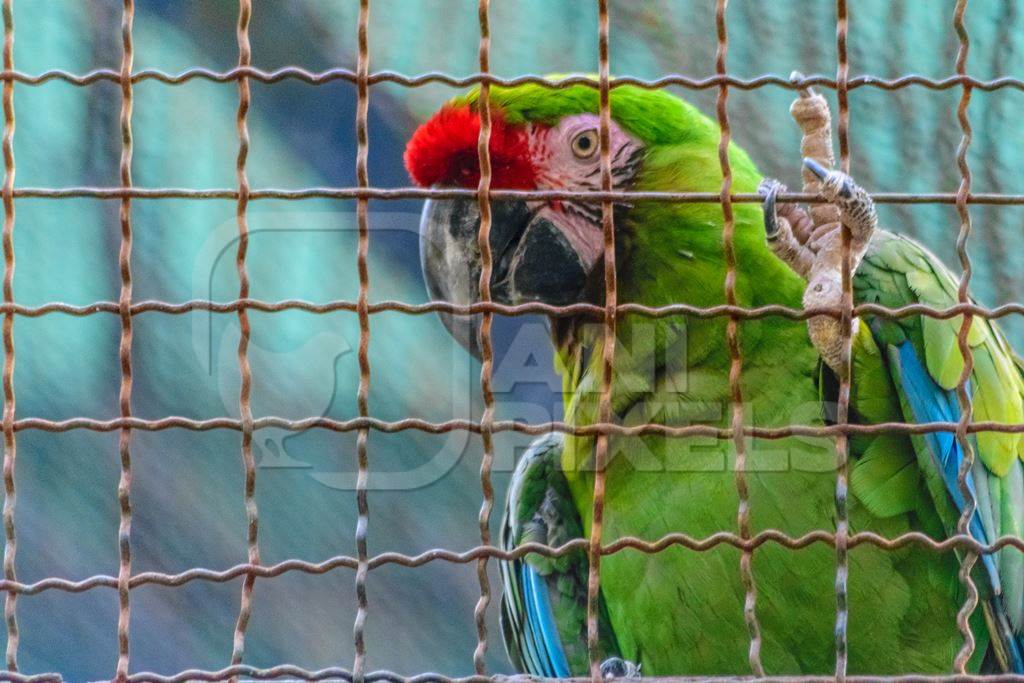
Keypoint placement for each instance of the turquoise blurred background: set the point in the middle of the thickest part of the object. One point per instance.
(187, 491)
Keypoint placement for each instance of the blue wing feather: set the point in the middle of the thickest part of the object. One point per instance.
(537, 590)
(931, 403)
(542, 628)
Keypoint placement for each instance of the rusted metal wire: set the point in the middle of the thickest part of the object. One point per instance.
(14, 676)
(697, 544)
(733, 343)
(609, 313)
(607, 342)
(391, 194)
(289, 671)
(416, 81)
(845, 370)
(10, 443)
(244, 368)
(534, 428)
(363, 392)
(486, 347)
(533, 308)
(962, 394)
(125, 349)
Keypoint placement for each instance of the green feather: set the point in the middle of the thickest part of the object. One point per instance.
(655, 117)
(1011, 560)
(994, 400)
(942, 354)
(885, 477)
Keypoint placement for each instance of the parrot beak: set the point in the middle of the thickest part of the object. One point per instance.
(531, 260)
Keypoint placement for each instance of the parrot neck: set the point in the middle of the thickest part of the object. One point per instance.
(682, 260)
(675, 252)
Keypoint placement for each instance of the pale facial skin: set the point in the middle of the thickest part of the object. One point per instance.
(567, 157)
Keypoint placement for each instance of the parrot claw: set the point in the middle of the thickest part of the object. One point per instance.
(857, 210)
(769, 189)
(817, 169)
(835, 185)
(618, 668)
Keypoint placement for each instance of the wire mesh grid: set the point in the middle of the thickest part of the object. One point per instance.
(842, 540)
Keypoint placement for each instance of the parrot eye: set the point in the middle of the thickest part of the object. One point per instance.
(584, 145)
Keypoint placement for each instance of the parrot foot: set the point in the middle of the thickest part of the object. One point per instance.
(824, 285)
(810, 241)
(816, 253)
(811, 113)
(618, 668)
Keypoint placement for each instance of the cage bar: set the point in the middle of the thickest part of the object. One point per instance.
(534, 428)
(698, 544)
(842, 538)
(10, 442)
(244, 368)
(745, 541)
(363, 392)
(397, 193)
(486, 346)
(595, 550)
(732, 340)
(418, 80)
(125, 349)
(962, 394)
(591, 310)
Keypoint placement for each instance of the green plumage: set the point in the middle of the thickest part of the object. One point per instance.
(681, 611)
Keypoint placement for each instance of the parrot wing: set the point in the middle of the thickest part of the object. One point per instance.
(922, 360)
(544, 599)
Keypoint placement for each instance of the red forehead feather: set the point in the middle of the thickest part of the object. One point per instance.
(443, 151)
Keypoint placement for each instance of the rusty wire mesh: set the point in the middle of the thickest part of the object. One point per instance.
(595, 546)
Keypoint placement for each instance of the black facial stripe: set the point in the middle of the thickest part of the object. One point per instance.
(585, 210)
(633, 162)
(618, 153)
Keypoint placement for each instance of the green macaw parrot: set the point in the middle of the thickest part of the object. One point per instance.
(680, 611)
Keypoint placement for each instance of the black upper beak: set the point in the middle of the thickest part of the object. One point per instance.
(531, 260)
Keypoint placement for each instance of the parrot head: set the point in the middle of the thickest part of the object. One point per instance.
(545, 138)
